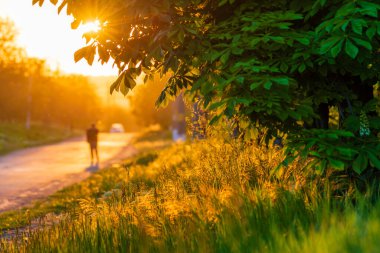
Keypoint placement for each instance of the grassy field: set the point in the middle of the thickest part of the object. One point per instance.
(15, 136)
(208, 196)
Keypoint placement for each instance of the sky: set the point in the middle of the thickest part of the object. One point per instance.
(45, 34)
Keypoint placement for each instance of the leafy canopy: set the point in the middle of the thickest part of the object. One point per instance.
(272, 64)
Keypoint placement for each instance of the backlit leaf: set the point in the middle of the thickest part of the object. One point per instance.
(336, 164)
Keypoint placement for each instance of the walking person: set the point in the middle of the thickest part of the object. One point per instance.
(92, 139)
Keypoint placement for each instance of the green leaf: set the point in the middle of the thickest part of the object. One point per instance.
(283, 25)
(240, 79)
(326, 45)
(302, 68)
(351, 49)
(346, 9)
(278, 39)
(347, 152)
(281, 80)
(374, 160)
(336, 49)
(363, 43)
(357, 26)
(336, 164)
(371, 32)
(254, 86)
(344, 25)
(304, 41)
(313, 153)
(345, 133)
(224, 58)
(369, 9)
(215, 55)
(268, 85)
(360, 163)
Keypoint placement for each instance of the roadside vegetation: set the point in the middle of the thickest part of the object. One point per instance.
(14, 135)
(206, 196)
(147, 143)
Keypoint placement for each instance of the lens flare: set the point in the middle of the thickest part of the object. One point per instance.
(90, 27)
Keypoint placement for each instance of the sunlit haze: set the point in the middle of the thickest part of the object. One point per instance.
(90, 26)
(44, 34)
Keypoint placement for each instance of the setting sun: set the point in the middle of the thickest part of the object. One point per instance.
(46, 35)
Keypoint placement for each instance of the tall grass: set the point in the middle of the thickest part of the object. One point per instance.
(209, 196)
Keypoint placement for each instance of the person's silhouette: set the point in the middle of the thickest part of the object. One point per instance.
(92, 139)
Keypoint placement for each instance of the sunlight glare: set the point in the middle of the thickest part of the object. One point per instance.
(90, 27)
(44, 34)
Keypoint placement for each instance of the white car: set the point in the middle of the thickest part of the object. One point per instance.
(117, 128)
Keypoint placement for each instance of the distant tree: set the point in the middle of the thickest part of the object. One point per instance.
(30, 90)
(72, 101)
(11, 72)
(10, 53)
(277, 65)
(142, 101)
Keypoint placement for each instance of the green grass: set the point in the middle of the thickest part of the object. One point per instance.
(15, 136)
(208, 196)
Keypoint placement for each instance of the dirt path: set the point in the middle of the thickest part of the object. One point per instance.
(37, 172)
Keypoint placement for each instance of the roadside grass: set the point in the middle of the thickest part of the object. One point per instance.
(14, 135)
(147, 143)
(207, 196)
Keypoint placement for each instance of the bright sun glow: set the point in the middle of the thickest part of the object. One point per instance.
(90, 27)
(44, 34)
